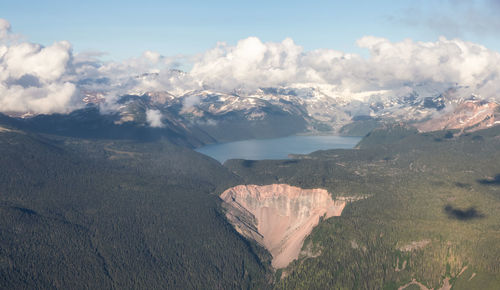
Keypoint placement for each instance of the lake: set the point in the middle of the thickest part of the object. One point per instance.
(276, 148)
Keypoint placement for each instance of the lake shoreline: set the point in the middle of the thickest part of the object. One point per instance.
(276, 148)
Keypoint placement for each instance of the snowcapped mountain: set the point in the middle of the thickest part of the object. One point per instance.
(278, 111)
(207, 116)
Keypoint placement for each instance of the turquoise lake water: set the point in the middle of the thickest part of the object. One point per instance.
(276, 148)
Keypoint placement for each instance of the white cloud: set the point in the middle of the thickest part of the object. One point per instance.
(153, 117)
(152, 56)
(54, 97)
(441, 62)
(249, 64)
(46, 63)
(391, 65)
(189, 102)
(32, 77)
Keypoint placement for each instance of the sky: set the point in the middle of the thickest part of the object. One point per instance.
(52, 53)
(123, 29)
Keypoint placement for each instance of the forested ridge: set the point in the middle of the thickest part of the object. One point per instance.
(431, 211)
(116, 214)
(119, 214)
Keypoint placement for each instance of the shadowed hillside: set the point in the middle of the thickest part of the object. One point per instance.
(82, 213)
(116, 214)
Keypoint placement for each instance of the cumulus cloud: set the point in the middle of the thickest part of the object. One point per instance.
(443, 61)
(249, 64)
(391, 65)
(153, 117)
(32, 77)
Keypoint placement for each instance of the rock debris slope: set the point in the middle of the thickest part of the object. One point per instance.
(472, 115)
(279, 217)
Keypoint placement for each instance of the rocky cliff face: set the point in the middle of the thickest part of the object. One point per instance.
(469, 116)
(279, 217)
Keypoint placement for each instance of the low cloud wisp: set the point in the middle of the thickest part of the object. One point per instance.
(153, 117)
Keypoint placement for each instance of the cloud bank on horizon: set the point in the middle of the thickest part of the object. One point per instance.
(52, 79)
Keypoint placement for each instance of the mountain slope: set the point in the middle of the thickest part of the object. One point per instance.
(431, 212)
(282, 111)
(115, 214)
(90, 122)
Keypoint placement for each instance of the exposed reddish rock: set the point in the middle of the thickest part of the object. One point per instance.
(279, 217)
(468, 116)
(92, 97)
(161, 97)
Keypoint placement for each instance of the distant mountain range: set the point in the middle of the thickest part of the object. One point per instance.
(208, 116)
(314, 109)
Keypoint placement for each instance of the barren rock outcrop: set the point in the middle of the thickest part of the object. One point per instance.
(279, 217)
(469, 116)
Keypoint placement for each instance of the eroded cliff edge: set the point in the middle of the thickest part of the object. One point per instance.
(279, 216)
